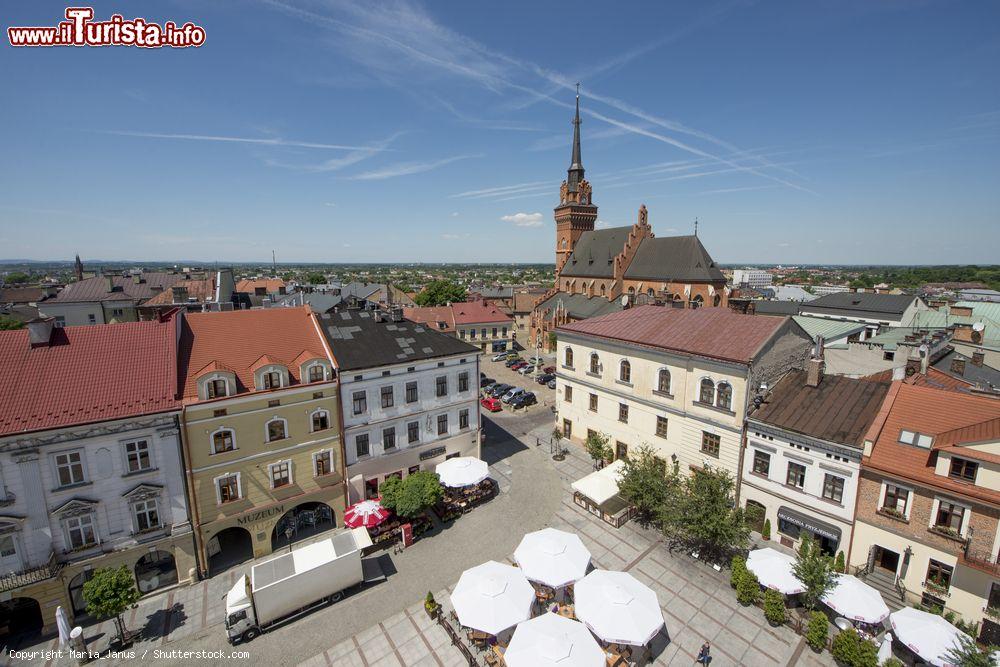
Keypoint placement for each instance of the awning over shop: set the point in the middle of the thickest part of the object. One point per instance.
(809, 523)
(602, 485)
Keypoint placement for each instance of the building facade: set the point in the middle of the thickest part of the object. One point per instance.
(679, 381)
(926, 528)
(755, 278)
(409, 396)
(105, 299)
(262, 432)
(90, 465)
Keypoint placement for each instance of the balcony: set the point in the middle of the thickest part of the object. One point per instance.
(31, 575)
(981, 559)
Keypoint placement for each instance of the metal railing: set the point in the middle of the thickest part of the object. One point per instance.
(13, 580)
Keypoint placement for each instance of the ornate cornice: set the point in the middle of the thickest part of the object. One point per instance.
(43, 438)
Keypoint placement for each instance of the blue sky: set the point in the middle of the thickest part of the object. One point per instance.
(841, 132)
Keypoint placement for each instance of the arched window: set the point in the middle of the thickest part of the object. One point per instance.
(650, 292)
(707, 392)
(595, 363)
(631, 290)
(724, 396)
(277, 429)
(717, 300)
(603, 290)
(625, 371)
(697, 302)
(320, 420)
(663, 381)
(223, 440)
(568, 357)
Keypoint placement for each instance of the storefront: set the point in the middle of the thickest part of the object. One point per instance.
(796, 525)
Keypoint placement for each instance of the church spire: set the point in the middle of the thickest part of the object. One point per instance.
(575, 173)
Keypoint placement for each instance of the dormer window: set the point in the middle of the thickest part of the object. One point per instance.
(317, 373)
(217, 388)
(271, 380)
(963, 469)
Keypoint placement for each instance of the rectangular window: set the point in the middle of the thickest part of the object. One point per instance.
(895, 500)
(661, 426)
(472, 333)
(442, 424)
(568, 394)
(361, 445)
(461, 334)
(222, 441)
(320, 420)
(833, 488)
(621, 450)
(441, 385)
(504, 333)
(494, 332)
(710, 443)
(963, 469)
(387, 397)
(623, 413)
(593, 403)
(91, 319)
(949, 516)
(413, 432)
(146, 515)
(939, 575)
(761, 463)
(69, 468)
(324, 463)
(463, 381)
(389, 438)
(137, 456)
(567, 428)
(80, 531)
(216, 388)
(360, 403)
(463, 419)
(411, 392)
(796, 475)
(316, 373)
(484, 332)
(272, 380)
(229, 488)
(60, 322)
(281, 474)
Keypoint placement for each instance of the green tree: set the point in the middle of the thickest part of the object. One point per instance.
(17, 278)
(774, 607)
(598, 447)
(108, 593)
(967, 654)
(850, 649)
(765, 533)
(738, 569)
(10, 324)
(815, 570)
(840, 565)
(818, 630)
(704, 516)
(413, 495)
(645, 485)
(439, 293)
(315, 278)
(747, 589)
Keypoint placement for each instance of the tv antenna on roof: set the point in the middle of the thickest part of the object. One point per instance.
(696, 226)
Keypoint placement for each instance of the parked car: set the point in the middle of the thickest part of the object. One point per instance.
(511, 362)
(544, 379)
(498, 390)
(491, 404)
(527, 369)
(549, 369)
(552, 384)
(501, 356)
(512, 394)
(485, 382)
(517, 365)
(523, 400)
(534, 360)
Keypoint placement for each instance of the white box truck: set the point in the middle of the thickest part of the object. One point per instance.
(295, 583)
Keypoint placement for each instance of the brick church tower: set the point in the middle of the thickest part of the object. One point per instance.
(575, 213)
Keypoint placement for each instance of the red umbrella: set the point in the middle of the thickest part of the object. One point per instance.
(367, 513)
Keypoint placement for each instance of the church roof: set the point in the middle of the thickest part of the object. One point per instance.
(673, 258)
(594, 253)
(578, 306)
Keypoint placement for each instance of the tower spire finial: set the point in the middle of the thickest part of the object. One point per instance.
(696, 226)
(575, 173)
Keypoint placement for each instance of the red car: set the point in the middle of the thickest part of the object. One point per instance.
(550, 369)
(518, 365)
(491, 404)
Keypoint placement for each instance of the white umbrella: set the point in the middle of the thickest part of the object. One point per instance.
(618, 608)
(774, 570)
(62, 623)
(462, 471)
(552, 557)
(885, 649)
(492, 597)
(927, 635)
(552, 640)
(854, 599)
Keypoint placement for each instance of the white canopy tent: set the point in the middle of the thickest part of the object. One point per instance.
(462, 471)
(601, 485)
(552, 557)
(492, 597)
(927, 635)
(774, 570)
(551, 640)
(854, 599)
(618, 608)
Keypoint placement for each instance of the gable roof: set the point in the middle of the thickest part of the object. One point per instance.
(439, 318)
(236, 340)
(594, 253)
(715, 333)
(578, 306)
(839, 410)
(776, 307)
(150, 284)
(860, 304)
(21, 294)
(87, 374)
(474, 312)
(827, 328)
(270, 285)
(673, 258)
(199, 290)
(984, 376)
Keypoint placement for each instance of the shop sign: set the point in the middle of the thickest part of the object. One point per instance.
(260, 515)
(431, 453)
(807, 523)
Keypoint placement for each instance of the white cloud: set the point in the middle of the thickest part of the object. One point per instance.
(784, 245)
(524, 219)
(454, 214)
(601, 224)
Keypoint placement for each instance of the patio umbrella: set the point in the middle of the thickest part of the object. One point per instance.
(854, 599)
(62, 623)
(885, 649)
(927, 635)
(774, 570)
(552, 557)
(367, 513)
(618, 608)
(462, 471)
(552, 640)
(492, 597)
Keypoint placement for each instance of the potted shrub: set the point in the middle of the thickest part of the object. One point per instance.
(817, 630)
(840, 565)
(774, 607)
(431, 606)
(747, 589)
(739, 568)
(765, 534)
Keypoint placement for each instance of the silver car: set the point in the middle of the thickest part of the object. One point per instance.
(510, 395)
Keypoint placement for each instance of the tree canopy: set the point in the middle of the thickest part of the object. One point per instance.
(815, 570)
(703, 514)
(439, 293)
(413, 495)
(109, 593)
(315, 278)
(9, 323)
(17, 278)
(645, 485)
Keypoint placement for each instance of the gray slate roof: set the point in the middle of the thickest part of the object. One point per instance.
(358, 341)
(678, 258)
(594, 253)
(776, 307)
(984, 376)
(320, 303)
(860, 304)
(96, 289)
(579, 306)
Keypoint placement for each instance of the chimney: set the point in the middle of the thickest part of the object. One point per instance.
(958, 366)
(814, 372)
(397, 314)
(40, 331)
(180, 293)
(978, 357)
(111, 283)
(899, 373)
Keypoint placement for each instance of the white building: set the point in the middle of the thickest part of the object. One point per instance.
(410, 396)
(755, 278)
(879, 311)
(803, 456)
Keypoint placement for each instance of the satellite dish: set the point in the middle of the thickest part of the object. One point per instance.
(624, 299)
(978, 326)
(923, 350)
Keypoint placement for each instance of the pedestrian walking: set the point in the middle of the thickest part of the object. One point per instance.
(704, 656)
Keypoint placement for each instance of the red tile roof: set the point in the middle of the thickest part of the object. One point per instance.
(934, 378)
(199, 290)
(716, 333)
(272, 285)
(87, 374)
(440, 318)
(952, 418)
(236, 340)
(475, 312)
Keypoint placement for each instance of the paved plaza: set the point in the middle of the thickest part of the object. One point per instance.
(386, 625)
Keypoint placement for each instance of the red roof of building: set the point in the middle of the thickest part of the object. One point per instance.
(952, 418)
(439, 318)
(716, 333)
(236, 340)
(475, 312)
(934, 379)
(199, 290)
(87, 374)
(271, 285)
